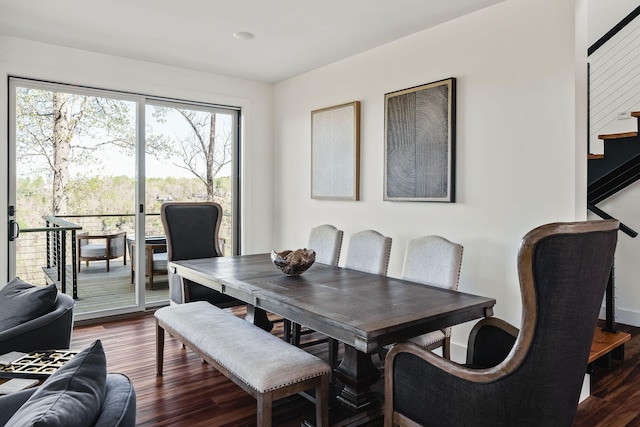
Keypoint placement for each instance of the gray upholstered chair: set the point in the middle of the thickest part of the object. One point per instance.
(326, 241)
(101, 247)
(369, 251)
(43, 327)
(191, 229)
(436, 261)
(534, 380)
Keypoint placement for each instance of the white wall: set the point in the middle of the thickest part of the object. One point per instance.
(626, 208)
(517, 157)
(604, 14)
(41, 61)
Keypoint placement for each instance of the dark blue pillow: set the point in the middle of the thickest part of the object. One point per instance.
(72, 396)
(21, 302)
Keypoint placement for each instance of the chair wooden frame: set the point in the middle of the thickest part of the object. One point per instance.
(441, 369)
(150, 249)
(84, 238)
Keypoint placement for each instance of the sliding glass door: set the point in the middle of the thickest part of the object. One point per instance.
(197, 162)
(88, 172)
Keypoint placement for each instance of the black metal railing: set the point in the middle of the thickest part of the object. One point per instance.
(60, 238)
(56, 230)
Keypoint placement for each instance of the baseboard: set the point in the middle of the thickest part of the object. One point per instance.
(626, 317)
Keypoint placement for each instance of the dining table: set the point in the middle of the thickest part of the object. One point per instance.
(362, 310)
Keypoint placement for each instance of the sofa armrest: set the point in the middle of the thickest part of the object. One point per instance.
(119, 405)
(10, 403)
(51, 331)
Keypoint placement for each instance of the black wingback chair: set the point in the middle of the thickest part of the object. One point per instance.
(563, 270)
(192, 231)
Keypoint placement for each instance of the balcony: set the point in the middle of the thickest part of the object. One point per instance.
(49, 255)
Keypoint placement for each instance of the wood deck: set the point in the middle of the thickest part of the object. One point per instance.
(99, 290)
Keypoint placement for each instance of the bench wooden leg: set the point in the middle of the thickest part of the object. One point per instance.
(322, 402)
(159, 349)
(265, 408)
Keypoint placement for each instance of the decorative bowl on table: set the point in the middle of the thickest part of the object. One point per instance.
(293, 263)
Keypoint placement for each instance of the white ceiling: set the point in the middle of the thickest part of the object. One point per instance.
(291, 36)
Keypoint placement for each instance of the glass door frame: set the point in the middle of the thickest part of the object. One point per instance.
(139, 282)
(141, 102)
(235, 113)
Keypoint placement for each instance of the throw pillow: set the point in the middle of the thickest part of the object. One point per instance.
(72, 396)
(21, 302)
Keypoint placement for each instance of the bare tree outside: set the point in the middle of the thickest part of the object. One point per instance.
(205, 151)
(75, 160)
(55, 130)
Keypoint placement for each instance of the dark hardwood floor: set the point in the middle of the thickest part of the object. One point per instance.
(190, 393)
(615, 391)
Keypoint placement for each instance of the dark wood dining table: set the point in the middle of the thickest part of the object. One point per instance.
(364, 311)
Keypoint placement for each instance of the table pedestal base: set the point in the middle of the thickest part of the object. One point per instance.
(258, 317)
(358, 373)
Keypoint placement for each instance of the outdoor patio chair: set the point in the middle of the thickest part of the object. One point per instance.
(101, 247)
(155, 257)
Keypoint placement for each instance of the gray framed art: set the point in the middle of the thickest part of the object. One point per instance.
(419, 157)
(335, 152)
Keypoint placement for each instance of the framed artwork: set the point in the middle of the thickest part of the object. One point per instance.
(419, 162)
(335, 152)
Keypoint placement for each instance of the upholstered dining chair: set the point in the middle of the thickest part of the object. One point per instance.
(534, 378)
(436, 261)
(369, 251)
(191, 230)
(326, 241)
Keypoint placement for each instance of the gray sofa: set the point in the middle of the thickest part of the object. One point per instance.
(34, 318)
(79, 393)
(118, 407)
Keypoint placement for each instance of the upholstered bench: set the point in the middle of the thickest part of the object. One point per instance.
(265, 366)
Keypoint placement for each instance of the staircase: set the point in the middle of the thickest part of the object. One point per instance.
(607, 174)
(614, 88)
(617, 168)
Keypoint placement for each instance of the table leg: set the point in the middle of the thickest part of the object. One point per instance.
(258, 317)
(357, 372)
